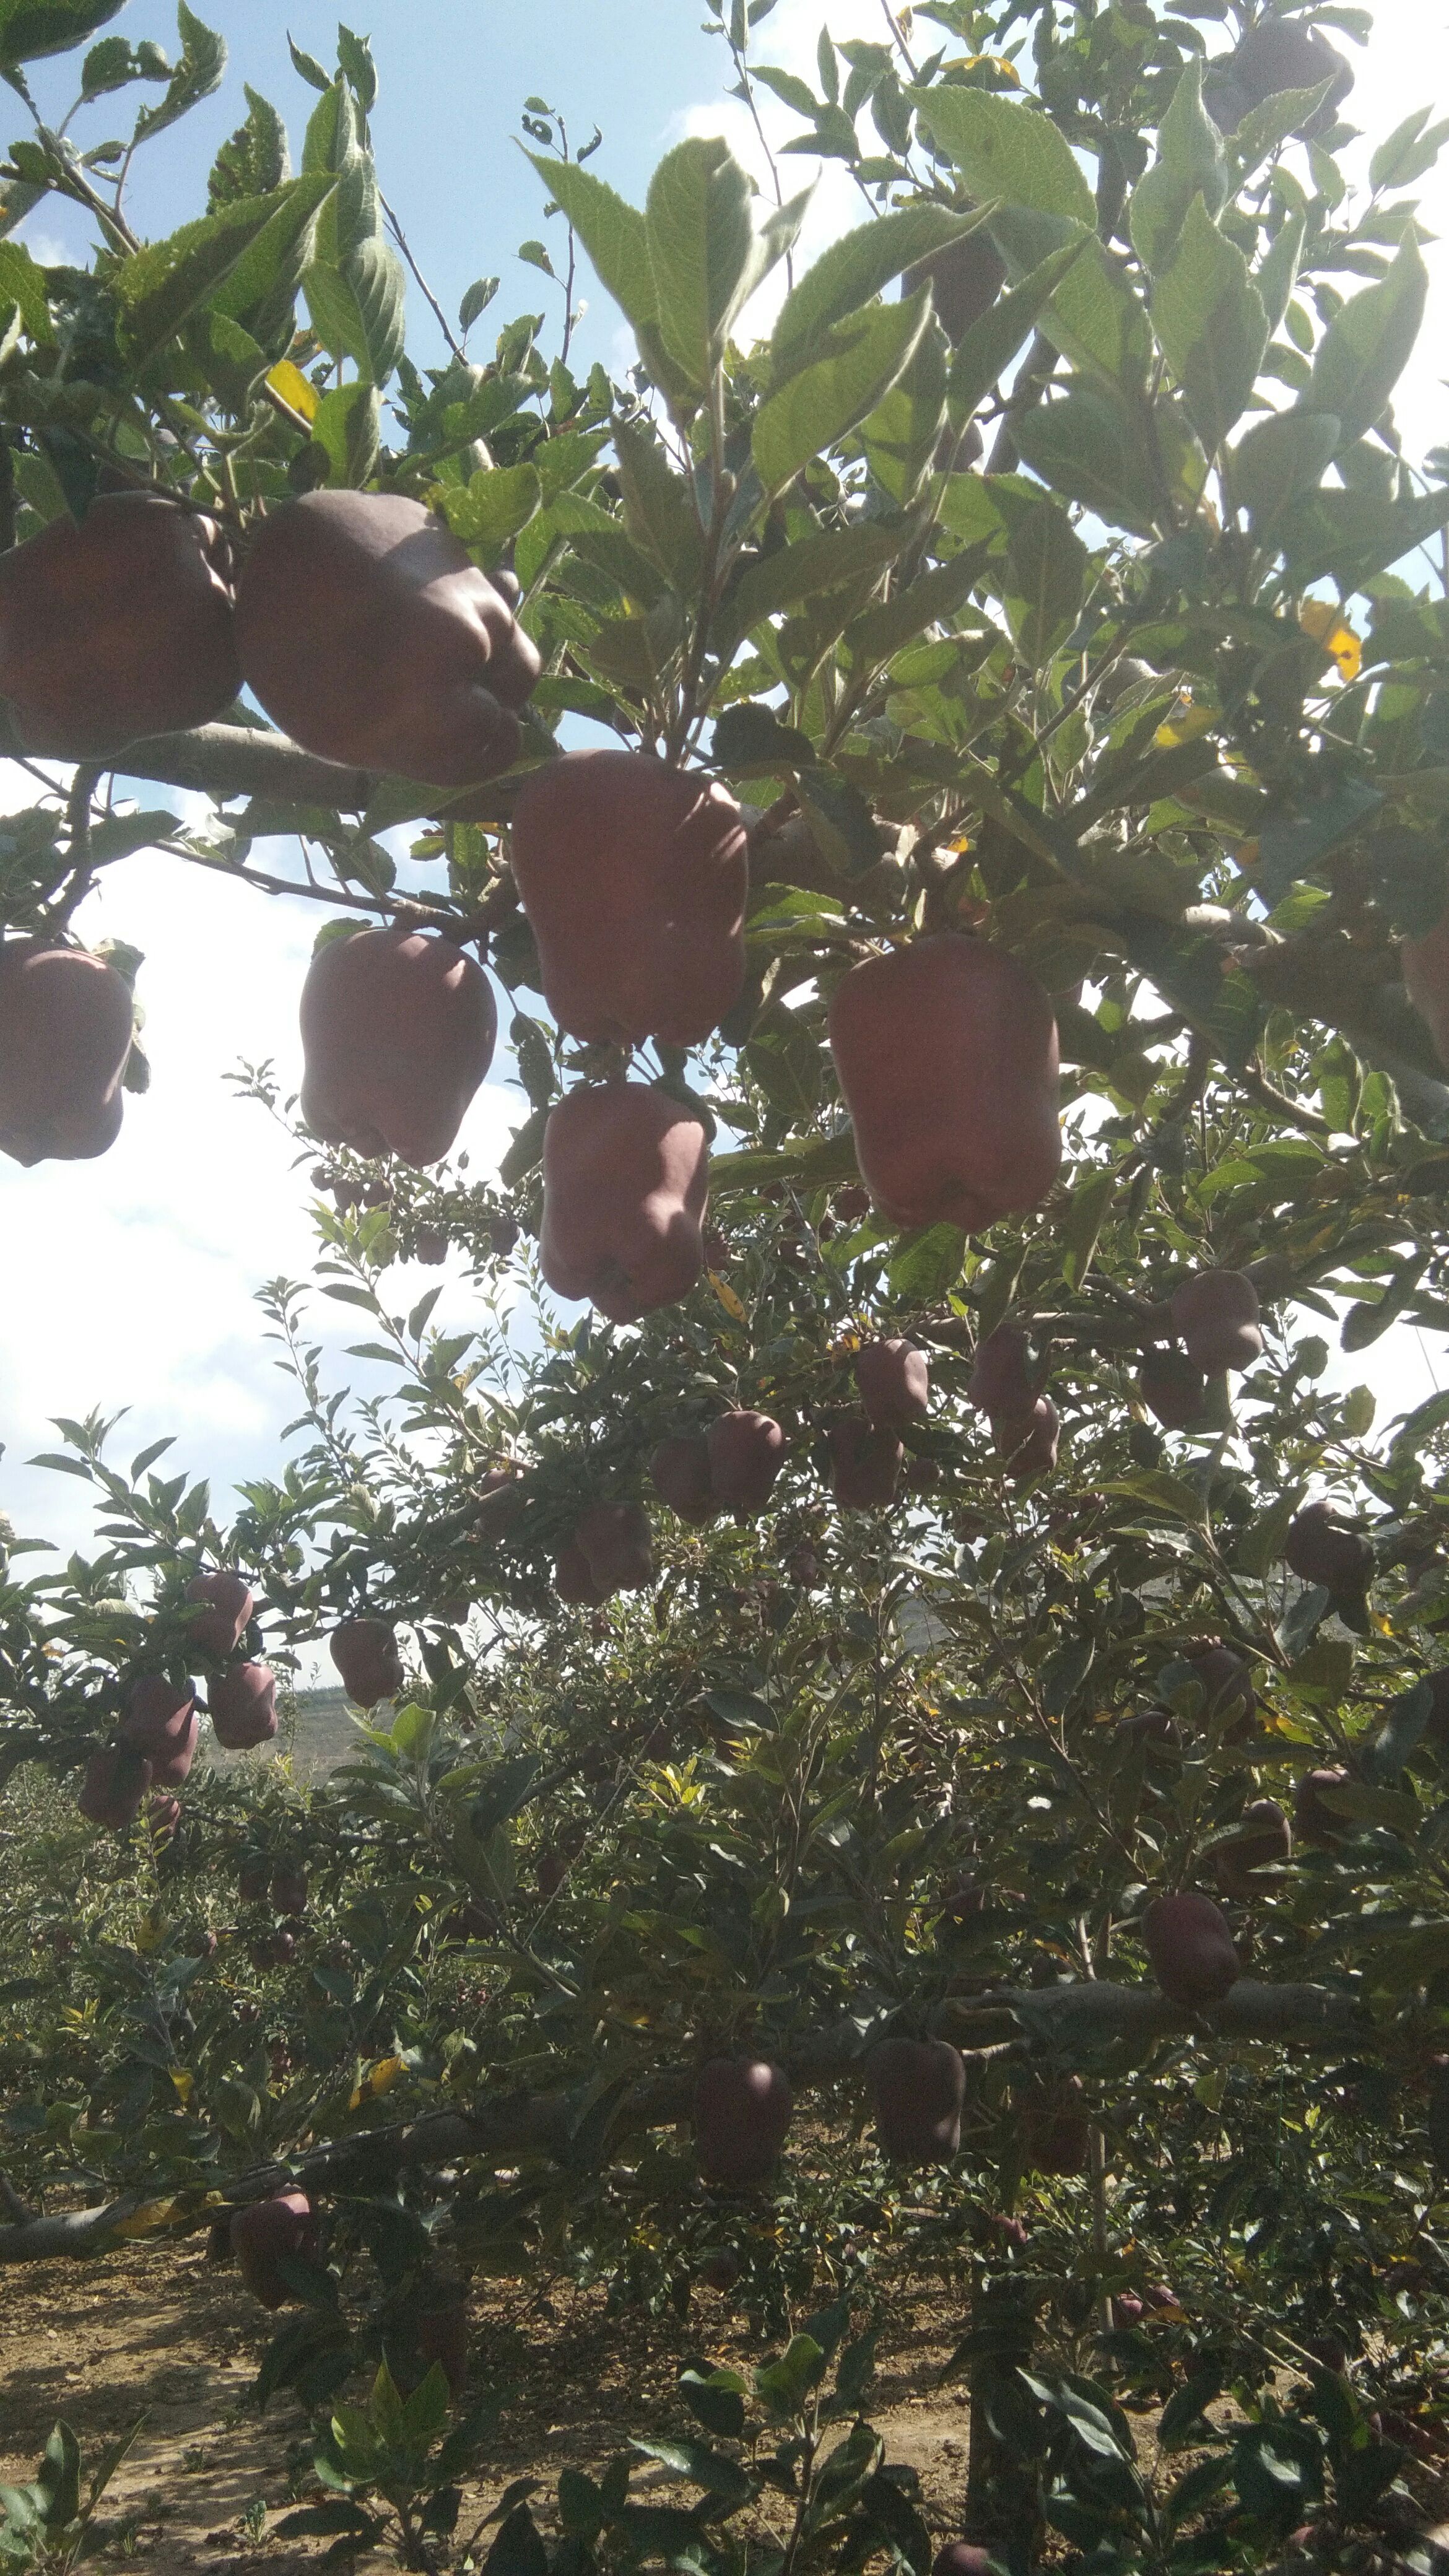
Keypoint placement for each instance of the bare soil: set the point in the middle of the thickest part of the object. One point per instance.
(160, 2332)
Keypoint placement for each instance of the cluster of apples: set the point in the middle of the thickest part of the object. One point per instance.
(369, 635)
(155, 1743)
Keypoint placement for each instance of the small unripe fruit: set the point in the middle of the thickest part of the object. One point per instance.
(680, 1474)
(865, 1464)
(216, 1628)
(1228, 1684)
(919, 2090)
(746, 1453)
(366, 1654)
(1190, 1944)
(720, 2268)
(1321, 1548)
(243, 1706)
(894, 1379)
(742, 2109)
(269, 2233)
(1216, 1314)
(1127, 2311)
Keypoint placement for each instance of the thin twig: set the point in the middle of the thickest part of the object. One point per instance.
(78, 823)
(400, 237)
(898, 39)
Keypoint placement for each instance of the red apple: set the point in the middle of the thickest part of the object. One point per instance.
(158, 1716)
(742, 2109)
(217, 1629)
(894, 1379)
(66, 1025)
(919, 2089)
(1027, 1442)
(289, 1891)
(116, 1780)
(615, 1542)
(1321, 1548)
(268, 2233)
(746, 1453)
(865, 1464)
(680, 1474)
(573, 1579)
(1190, 1944)
(366, 1654)
(1216, 1314)
(243, 1706)
(1317, 1822)
(398, 1031)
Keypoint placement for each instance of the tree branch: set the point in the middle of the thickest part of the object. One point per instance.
(1059, 2021)
(225, 761)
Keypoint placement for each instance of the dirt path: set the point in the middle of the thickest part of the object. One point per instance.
(160, 2332)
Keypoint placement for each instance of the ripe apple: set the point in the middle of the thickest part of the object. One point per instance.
(1317, 1822)
(1216, 1314)
(366, 1654)
(719, 2268)
(919, 2090)
(217, 1629)
(268, 2233)
(634, 878)
(742, 2109)
(1190, 1944)
(617, 1547)
(679, 1473)
(894, 1380)
(1001, 1381)
(1321, 1548)
(158, 1715)
(1281, 54)
(946, 1052)
(573, 1579)
(117, 628)
(254, 1878)
(243, 1705)
(625, 1183)
(1263, 1839)
(1055, 2128)
(963, 2558)
(116, 1780)
(370, 636)
(1228, 1684)
(1027, 1443)
(865, 1464)
(1173, 1390)
(289, 1891)
(398, 1031)
(66, 1025)
(966, 279)
(746, 1452)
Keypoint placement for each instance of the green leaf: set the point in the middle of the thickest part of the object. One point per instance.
(159, 288)
(1367, 1319)
(255, 160)
(806, 567)
(1046, 581)
(492, 506)
(782, 2386)
(933, 598)
(705, 2468)
(902, 434)
(22, 283)
(699, 237)
(1086, 1215)
(988, 346)
(1189, 164)
(925, 1266)
(853, 271)
(659, 508)
(1366, 347)
(197, 74)
(860, 361)
(1097, 451)
(349, 426)
(1278, 460)
(1278, 269)
(1005, 151)
(1095, 318)
(31, 28)
(1209, 319)
(612, 232)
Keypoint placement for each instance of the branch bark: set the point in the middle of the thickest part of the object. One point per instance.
(234, 760)
(1059, 2020)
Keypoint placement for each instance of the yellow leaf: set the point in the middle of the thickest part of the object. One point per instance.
(378, 2079)
(146, 2220)
(150, 1933)
(290, 383)
(185, 2085)
(1186, 727)
(1328, 627)
(727, 1297)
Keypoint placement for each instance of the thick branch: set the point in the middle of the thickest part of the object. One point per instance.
(232, 760)
(1061, 2020)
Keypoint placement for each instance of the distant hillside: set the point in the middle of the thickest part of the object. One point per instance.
(318, 1730)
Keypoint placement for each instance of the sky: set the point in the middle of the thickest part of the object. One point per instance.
(129, 1282)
